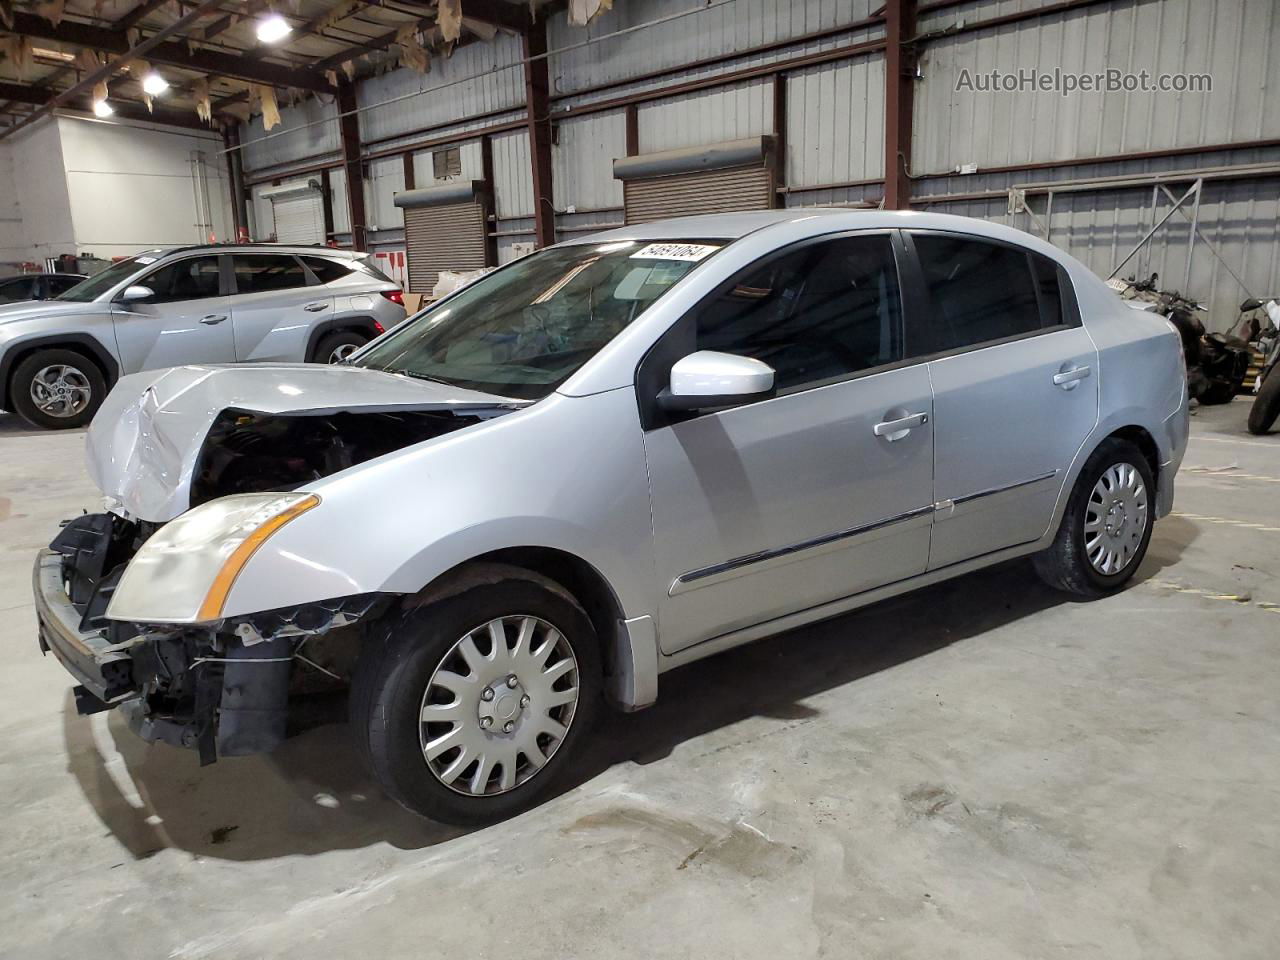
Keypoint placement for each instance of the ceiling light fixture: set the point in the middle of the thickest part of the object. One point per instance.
(153, 84)
(273, 28)
(102, 109)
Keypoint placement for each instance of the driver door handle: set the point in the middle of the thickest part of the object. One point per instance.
(317, 306)
(213, 318)
(897, 429)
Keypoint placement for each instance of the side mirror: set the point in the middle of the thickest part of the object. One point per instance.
(1250, 304)
(709, 378)
(135, 293)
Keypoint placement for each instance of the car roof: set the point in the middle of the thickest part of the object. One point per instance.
(312, 250)
(734, 226)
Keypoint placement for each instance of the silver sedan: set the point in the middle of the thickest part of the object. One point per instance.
(598, 463)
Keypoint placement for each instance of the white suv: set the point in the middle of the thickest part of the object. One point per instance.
(210, 304)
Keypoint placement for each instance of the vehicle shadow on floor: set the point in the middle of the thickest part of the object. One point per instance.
(312, 794)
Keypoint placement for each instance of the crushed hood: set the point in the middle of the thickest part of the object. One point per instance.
(144, 442)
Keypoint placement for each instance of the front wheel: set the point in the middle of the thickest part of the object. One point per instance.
(472, 709)
(1266, 405)
(1107, 524)
(57, 389)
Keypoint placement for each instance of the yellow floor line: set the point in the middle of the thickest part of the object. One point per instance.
(1247, 600)
(1227, 473)
(1243, 443)
(1243, 524)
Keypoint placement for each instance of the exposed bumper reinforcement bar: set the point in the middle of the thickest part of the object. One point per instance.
(103, 671)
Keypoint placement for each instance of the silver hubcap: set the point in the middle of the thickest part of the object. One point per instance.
(499, 705)
(1116, 518)
(60, 390)
(343, 351)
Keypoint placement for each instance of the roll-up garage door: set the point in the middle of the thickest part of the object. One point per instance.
(720, 178)
(299, 212)
(444, 229)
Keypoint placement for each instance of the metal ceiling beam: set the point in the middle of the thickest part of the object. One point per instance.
(170, 53)
(87, 82)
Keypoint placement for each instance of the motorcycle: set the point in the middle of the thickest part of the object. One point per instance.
(1217, 363)
(1266, 388)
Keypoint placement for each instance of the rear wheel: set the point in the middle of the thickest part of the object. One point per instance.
(472, 709)
(1107, 524)
(336, 347)
(57, 389)
(1266, 405)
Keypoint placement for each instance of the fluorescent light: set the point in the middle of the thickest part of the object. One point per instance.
(273, 28)
(153, 84)
(102, 109)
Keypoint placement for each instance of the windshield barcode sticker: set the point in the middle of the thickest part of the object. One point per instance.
(692, 252)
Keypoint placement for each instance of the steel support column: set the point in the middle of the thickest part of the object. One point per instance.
(235, 169)
(350, 128)
(537, 87)
(899, 69)
(780, 140)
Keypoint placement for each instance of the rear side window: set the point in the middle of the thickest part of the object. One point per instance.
(825, 311)
(261, 273)
(327, 271)
(195, 278)
(983, 291)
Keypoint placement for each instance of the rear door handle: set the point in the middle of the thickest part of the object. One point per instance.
(316, 307)
(897, 429)
(213, 318)
(1068, 379)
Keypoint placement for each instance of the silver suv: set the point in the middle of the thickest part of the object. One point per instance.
(204, 304)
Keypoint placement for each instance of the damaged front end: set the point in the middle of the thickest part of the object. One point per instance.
(220, 688)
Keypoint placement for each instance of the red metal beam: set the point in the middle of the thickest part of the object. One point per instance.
(537, 87)
(349, 125)
(899, 69)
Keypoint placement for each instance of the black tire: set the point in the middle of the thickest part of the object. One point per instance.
(87, 376)
(399, 660)
(331, 342)
(1266, 405)
(1065, 565)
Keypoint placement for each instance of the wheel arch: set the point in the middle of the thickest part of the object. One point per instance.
(1141, 438)
(362, 324)
(82, 343)
(628, 649)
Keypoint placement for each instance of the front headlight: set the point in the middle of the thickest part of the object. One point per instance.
(185, 571)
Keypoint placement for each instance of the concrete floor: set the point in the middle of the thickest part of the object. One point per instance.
(978, 770)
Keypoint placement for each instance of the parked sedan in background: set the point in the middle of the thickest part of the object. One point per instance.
(202, 304)
(602, 461)
(37, 286)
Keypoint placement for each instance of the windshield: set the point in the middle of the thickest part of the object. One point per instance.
(100, 283)
(524, 330)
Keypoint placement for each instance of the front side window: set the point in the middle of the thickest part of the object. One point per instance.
(984, 291)
(195, 278)
(261, 273)
(13, 291)
(824, 311)
(524, 330)
(104, 280)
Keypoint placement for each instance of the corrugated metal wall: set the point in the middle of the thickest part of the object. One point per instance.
(835, 118)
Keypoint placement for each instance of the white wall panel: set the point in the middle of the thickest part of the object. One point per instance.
(386, 179)
(41, 183)
(512, 175)
(307, 131)
(582, 161)
(13, 242)
(715, 29)
(708, 116)
(498, 85)
(1230, 40)
(835, 122)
